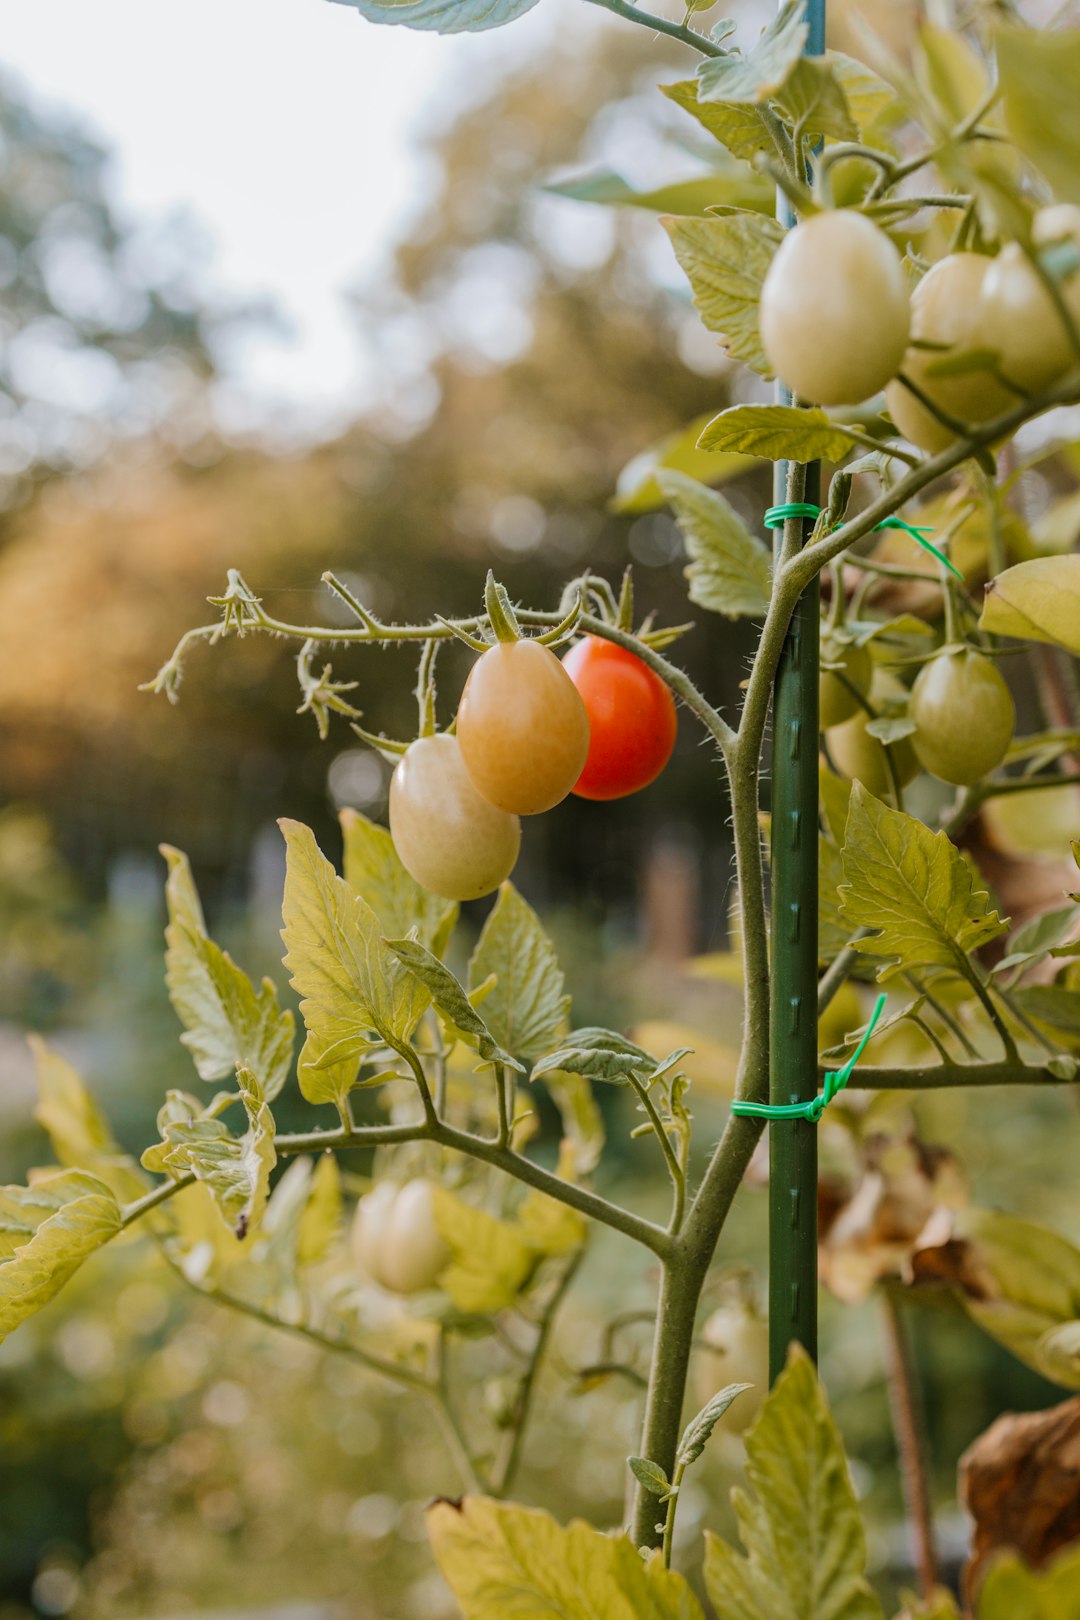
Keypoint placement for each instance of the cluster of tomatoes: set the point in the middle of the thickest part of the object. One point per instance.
(839, 324)
(961, 708)
(530, 730)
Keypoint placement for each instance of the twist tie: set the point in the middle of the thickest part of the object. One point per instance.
(776, 516)
(834, 1082)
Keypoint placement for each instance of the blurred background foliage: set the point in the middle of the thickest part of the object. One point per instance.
(157, 1457)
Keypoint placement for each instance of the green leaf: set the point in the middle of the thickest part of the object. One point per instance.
(443, 16)
(1011, 1591)
(726, 260)
(743, 129)
(813, 96)
(649, 1474)
(598, 1054)
(236, 1170)
(833, 931)
(1036, 601)
(79, 1132)
(47, 1230)
(637, 489)
(450, 998)
(491, 1260)
(372, 866)
(730, 570)
(941, 1606)
(698, 1431)
(352, 984)
(1038, 938)
(527, 1007)
(757, 75)
(913, 888)
(805, 1545)
(1039, 73)
(226, 1021)
(735, 187)
(1052, 1004)
(778, 433)
(513, 1563)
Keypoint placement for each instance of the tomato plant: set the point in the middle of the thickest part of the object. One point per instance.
(482, 1231)
(632, 719)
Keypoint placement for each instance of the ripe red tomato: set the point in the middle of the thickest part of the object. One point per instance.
(632, 721)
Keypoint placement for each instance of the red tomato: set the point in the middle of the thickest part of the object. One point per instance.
(632, 721)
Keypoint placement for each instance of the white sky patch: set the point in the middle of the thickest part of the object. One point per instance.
(288, 128)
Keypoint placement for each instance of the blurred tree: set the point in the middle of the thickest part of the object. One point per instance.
(105, 329)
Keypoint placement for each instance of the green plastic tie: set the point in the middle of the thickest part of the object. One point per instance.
(834, 1082)
(776, 516)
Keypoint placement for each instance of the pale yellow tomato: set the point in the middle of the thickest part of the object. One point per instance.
(947, 312)
(1024, 322)
(522, 728)
(839, 689)
(451, 839)
(834, 309)
(964, 716)
(396, 1239)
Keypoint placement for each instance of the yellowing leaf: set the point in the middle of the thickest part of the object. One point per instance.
(351, 983)
(1037, 601)
(226, 1020)
(511, 1563)
(806, 1549)
(740, 126)
(726, 260)
(236, 1170)
(582, 1121)
(814, 97)
(79, 1132)
(637, 489)
(491, 1260)
(321, 1216)
(46, 1232)
(1011, 1591)
(1039, 73)
(912, 888)
(322, 1080)
(372, 866)
(711, 1064)
(526, 1008)
(730, 569)
(450, 999)
(757, 73)
(778, 433)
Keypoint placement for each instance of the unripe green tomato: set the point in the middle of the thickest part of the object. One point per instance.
(396, 1239)
(834, 309)
(737, 1352)
(1021, 318)
(964, 716)
(451, 839)
(947, 309)
(861, 757)
(522, 728)
(836, 700)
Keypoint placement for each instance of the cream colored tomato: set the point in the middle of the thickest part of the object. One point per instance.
(451, 839)
(838, 689)
(1021, 316)
(861, 757)
(396, 1238)
(522, 728)
(964, 716)
(834, 309)
(947, 311)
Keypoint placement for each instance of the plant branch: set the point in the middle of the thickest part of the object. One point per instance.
(943, 1077)
(507, 1465)
(910, 1441)
(660, 25)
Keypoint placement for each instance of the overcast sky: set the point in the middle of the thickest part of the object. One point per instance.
(284, 125)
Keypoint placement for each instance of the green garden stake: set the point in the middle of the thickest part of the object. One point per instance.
(793, 1162)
